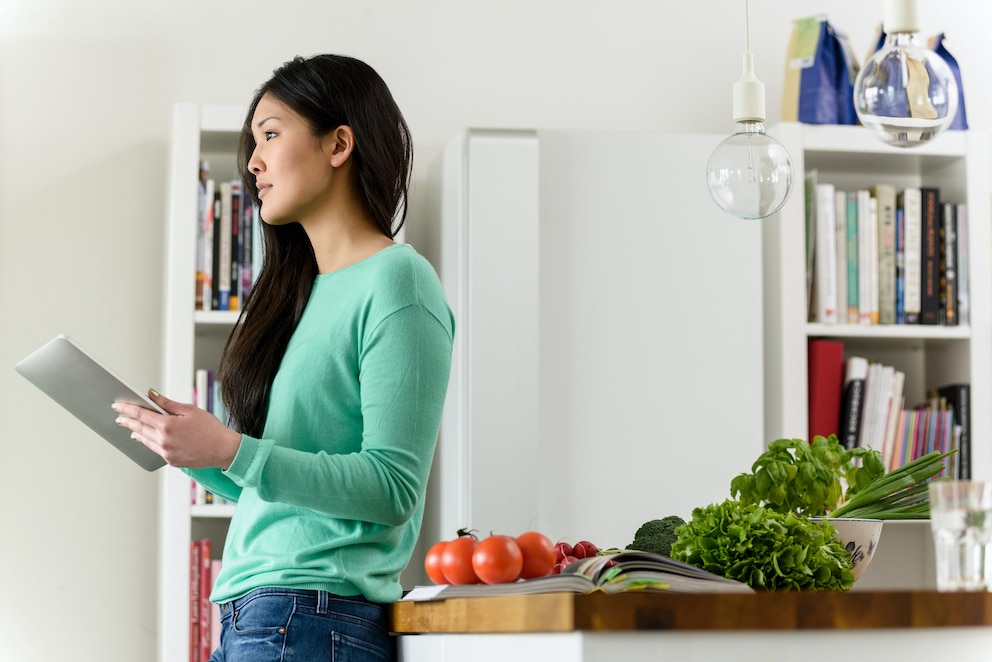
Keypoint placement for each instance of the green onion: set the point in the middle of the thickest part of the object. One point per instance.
(899, 494)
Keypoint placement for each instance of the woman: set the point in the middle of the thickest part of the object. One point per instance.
(334, 377)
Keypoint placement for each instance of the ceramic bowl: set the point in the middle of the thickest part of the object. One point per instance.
(859, 537)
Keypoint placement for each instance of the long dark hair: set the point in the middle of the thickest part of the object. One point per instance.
(327, 91)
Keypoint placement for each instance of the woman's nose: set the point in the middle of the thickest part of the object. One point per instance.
(254, 163)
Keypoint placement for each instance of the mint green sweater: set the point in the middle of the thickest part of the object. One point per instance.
(332, 496)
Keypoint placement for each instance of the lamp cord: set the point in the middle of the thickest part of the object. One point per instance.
(747, 26)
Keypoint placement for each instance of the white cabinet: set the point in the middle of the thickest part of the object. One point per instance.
(931, 356)
(192, 339)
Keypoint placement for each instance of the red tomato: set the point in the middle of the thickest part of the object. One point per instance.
(498, 560)
(538, 552)
(456, 561)
(432, 563)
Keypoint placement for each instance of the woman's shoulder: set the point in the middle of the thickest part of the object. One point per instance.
(401, 265)
(405, 277)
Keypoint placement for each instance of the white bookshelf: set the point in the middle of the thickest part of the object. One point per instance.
(192, 339)
(850, 158)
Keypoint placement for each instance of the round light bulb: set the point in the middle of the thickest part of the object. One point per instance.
(749, 173)
(905, 93)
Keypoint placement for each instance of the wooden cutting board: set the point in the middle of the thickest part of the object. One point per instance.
(598, 611)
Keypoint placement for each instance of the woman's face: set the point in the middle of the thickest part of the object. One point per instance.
(292, 171)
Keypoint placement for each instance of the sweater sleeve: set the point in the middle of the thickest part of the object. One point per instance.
(215, 481)
(404, 366)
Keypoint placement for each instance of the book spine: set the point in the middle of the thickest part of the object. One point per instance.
(900, 267)
(855, 374)
(809, 202)
(894, 418)
(886, 196)
(853, 282)
(930, 260)
(215, 253)
(949, 253)
(826, 382)
(962, 271)
(865, 265)
(194, 601)
(958, 397)
(247, 214)
(205, 243)
(840, 242)
(825, 258)
(204, 196)
(206, 584)
(224, 252)
(873, 260)
(911, 205)
(235, 300)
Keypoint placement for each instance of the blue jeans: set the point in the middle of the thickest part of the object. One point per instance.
(294, 625)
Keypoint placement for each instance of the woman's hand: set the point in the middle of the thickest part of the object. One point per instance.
(189, 437)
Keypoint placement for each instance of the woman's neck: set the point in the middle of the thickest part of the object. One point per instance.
(342, 243)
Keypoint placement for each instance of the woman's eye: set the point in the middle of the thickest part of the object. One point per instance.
(269, 135)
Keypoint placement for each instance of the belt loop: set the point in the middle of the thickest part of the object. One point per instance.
(322, 602)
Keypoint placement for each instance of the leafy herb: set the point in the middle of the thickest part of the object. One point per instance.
(805, 478)
(764, 548)
(808, 479)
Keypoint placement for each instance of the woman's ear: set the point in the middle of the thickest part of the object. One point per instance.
(338, 145)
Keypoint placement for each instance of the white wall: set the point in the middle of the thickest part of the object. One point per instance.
(85, 97)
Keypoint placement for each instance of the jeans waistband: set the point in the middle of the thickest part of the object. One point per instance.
(319, 599)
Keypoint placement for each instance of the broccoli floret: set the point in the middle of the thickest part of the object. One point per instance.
(657, 535)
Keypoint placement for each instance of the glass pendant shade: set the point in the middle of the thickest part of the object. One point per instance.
(749, 174)
(905, 93)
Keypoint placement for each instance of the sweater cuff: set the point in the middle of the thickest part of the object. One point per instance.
(246, 469)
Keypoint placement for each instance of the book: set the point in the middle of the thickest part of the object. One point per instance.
(948, 270)
(810, 208)
(825, 255)
(235, 262)
(214, 259)
(877, 398)
(206, 586)
(205, 196)
(194, 600)
(872, 261)
(205, 242)
(853, 281)
(885, 194)
(825, 363)
(627, 570)
(958, 398)
(866, 263)
(224, 249)
(852, 403)
(961, 210)
(894, 419)
(900, 267)
(930, 258)
(840, 218)
(910, 202)
(247, 241)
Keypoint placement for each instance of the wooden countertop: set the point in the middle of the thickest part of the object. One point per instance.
(643, 610)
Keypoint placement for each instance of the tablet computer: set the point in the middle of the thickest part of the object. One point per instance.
(86, 388)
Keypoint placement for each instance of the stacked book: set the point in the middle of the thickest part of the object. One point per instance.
(228, 244)
(885, 255)
(864, 404)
